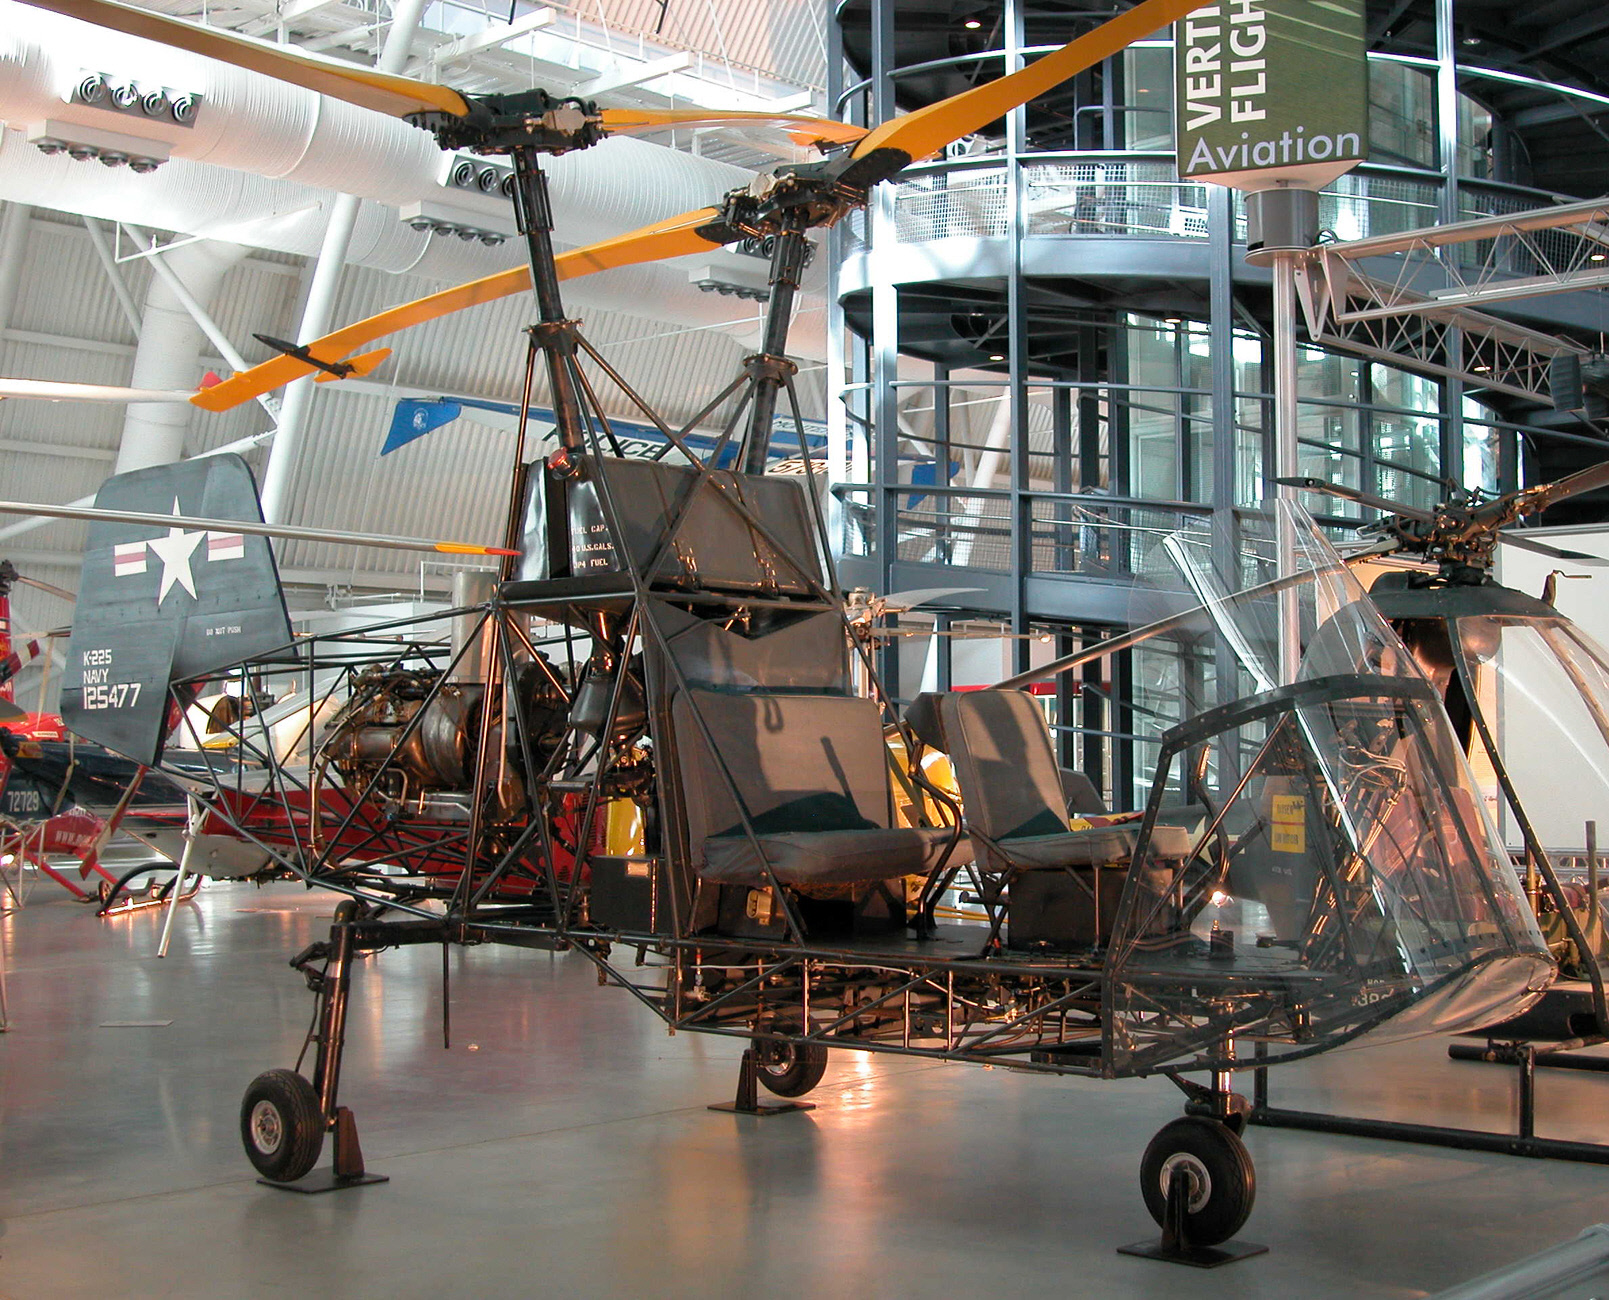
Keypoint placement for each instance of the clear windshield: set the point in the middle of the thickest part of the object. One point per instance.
(1546, 687)
(1315, 860)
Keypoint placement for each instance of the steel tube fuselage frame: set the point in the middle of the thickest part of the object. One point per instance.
(945, 997)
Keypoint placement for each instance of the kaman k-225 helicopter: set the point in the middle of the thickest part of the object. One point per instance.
(646, 740)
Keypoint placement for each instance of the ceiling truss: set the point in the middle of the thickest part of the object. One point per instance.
(1411, 298)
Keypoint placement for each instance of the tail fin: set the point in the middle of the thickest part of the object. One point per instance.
(158, 607)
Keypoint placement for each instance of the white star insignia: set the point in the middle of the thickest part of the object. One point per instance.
(175, 551)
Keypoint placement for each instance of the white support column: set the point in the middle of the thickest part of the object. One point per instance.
(278, 474)
(996, 447)
(171, 330)
(1285, 454)
(315, 322)
(169, 349)
(1282, 225)
(13, 245)
(114, 276)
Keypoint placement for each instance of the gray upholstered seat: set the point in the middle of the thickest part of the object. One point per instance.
(811, 772)
(1013, 789)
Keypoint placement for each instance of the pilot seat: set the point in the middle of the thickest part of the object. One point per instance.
(791, 792)
(1062, 885)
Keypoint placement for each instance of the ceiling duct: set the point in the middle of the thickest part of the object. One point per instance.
(258, 158)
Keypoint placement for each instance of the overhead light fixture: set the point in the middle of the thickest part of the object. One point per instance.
(1597, 257)
(727, 289)
(468, 234)
(157, 110)
(91, 144)
(467, 172)
(972, 24)
(763, 246)
(474, 212)
(137, 98)
(997, 356)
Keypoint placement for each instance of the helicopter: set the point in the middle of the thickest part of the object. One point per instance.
(645, 746)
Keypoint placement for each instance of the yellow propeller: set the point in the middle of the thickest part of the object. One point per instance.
(663, 239)
(383, 92)
(929, 129)
(805, 128)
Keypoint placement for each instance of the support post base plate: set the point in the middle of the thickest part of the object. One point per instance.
(763, 1109)
(325, 1180)
(1194, 1256)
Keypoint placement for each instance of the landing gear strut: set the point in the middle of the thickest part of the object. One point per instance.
(283, 1117)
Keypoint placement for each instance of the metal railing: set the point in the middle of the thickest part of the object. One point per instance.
(1089, 534)
(1141, 195)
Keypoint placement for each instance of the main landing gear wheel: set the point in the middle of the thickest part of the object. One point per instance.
(281, 1125)
(1222, 1183)
(789, 1069)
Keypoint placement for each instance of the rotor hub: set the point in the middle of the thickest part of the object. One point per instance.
(530, 119)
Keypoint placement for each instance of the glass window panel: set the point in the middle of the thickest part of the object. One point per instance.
(1407, 452)
(1551, 707)
(1482, 456)
(1475, 136)
(1402, 117)
(1148, 115)
(1391, 387)
(1326, 374)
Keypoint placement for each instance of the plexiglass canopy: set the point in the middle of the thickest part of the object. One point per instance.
(1343, 874)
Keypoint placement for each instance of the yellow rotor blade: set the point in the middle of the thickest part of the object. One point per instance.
(365, 87)
(279, 371)
(670, 238)
(803, 127)
(929, 129)
(673, 237)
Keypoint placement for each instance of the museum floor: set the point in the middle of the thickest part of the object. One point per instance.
(562, 1146)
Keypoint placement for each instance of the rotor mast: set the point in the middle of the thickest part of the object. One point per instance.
(771, 370)
(554, 332)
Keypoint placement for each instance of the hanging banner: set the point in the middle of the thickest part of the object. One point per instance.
(1270, 94)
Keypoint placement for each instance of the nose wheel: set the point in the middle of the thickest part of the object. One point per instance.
(789, 1069)
(281, 1125)
(1221, 1184)
(1198, 1183)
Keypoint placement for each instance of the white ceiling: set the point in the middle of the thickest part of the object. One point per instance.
(65, 321)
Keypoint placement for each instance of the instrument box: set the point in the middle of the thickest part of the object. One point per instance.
(630, 894)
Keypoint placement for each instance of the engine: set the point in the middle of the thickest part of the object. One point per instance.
(416, 742)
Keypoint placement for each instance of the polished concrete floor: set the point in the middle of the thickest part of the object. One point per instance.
(562, 1146)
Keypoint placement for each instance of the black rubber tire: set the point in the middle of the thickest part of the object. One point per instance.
(281, 1125)
(789, 1069)
(1224, 1184)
